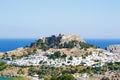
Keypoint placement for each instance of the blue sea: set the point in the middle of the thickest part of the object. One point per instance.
(3, 78)
(103, 43)
(11, 44)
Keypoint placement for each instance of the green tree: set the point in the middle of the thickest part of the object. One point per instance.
(31, 71)
(57, 54)
(20, 71)
(14, 57)
(66, 77)
(3, 66)
(64, 56)
(71, 58)
(54, 77)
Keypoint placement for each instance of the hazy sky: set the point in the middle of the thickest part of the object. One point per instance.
(35, 18)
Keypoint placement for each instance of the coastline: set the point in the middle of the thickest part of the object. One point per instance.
(18, 78)
(13, 78)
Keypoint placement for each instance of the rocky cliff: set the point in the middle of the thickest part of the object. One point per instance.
(71, 37)
(61, 41)
(64, 38)
(114, 48)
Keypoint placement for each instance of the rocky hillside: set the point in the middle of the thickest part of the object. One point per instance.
(114, 48)
(60, 41)
(70, 44)
(71, 37)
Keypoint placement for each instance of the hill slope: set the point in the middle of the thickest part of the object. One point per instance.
(70, 44)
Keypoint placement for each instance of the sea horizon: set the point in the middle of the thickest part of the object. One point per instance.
(12, 44)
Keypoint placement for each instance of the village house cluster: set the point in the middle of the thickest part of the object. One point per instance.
(96, 59)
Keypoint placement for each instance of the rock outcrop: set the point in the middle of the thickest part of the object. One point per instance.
(64, 38)
(114, 48)
(60, 41)
(69, 37)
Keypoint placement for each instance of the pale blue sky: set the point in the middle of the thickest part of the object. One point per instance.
(35, 18)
